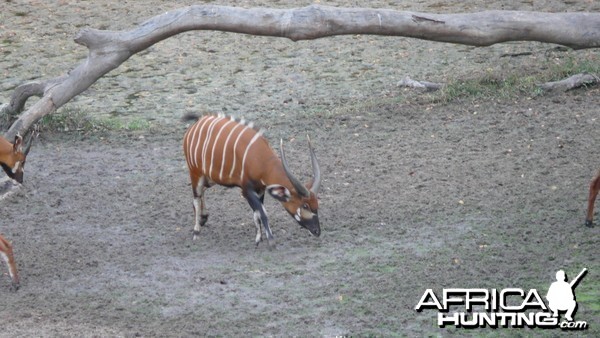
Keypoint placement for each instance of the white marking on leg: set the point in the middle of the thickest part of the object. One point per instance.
(257, 223)
(198, 204)
(11, 271)
(225, 149)
(256, 137)
(264, 210)
(196, 216)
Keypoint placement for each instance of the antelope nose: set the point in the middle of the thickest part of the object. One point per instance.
(315, 228)
(317, 232)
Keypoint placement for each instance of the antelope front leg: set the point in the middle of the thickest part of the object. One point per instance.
(260, 217)
(7, 255)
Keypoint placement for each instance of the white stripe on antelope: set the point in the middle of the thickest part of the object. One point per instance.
(231, 153)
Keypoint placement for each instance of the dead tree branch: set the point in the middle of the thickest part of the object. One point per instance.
(572, 82)
(109, 49)
(425, 85)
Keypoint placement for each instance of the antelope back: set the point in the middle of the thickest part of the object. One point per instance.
(226, 151)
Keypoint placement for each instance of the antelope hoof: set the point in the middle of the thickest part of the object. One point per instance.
(589, 223)
(15, 286)
(196, 234)
(203, 219)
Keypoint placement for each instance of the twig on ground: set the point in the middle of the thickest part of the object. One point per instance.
(427, 86)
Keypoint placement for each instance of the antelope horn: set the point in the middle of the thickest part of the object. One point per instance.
(300, 188)
(316, 170)
(28, 144)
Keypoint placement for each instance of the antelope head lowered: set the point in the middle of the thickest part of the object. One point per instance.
(221, 150)
(12, 156)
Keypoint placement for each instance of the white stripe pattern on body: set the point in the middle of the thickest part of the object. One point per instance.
(208, 136)
(211, 127)
(254, 138)
(234, 152)
(212, 154)
(197, 143)
(225, 149)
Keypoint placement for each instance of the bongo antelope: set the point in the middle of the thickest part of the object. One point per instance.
(222, 150)
(6, 253)
(594, 188)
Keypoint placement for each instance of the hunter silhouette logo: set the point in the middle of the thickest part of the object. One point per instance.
(561, 296)
(510, 307)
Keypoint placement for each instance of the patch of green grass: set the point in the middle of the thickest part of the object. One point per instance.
(589, 295)
(571, 66)
(494, 86)
(66, 120)
(113, 123)
(489, 86)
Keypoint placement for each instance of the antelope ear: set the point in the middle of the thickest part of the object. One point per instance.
(279, 192)
(18, 145)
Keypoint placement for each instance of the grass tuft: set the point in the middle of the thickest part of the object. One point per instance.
(491, 86)
(68, 120)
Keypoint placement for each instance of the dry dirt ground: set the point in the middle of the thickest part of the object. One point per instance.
(473, 193)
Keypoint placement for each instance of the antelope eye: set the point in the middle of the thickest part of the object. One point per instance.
(305, 206)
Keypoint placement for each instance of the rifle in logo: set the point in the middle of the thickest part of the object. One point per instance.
(561, 295)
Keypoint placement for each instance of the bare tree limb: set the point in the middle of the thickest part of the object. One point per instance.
(572, 82)
(109, 49)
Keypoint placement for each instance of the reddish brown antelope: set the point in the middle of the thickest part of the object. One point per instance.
(594, 188)
(6, 253)
(12, 159)
(221, 150)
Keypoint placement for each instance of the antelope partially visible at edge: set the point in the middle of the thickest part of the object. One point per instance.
(12, 160)
(594, 188)
(222, 150)
(6, 252)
